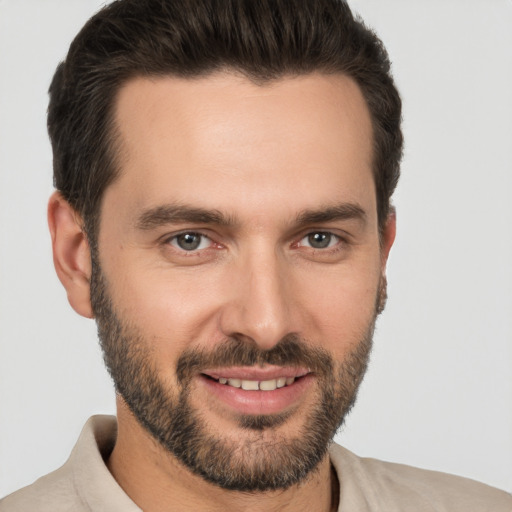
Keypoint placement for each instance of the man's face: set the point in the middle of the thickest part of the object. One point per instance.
(241, 269)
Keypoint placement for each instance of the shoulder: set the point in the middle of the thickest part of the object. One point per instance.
(83, 483)
(387, 486)
(52, 493)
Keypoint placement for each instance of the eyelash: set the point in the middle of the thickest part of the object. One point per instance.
(332, 237)
(174, 238)
(339, 242)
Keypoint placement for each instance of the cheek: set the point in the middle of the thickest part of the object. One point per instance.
(341, 305)
(171, 310)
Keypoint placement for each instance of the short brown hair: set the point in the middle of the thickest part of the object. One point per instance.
(264, 39)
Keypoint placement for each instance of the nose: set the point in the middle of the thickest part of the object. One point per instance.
(259, 308)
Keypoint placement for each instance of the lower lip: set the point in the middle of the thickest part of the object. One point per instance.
(258, 402)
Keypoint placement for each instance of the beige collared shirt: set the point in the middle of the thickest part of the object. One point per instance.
(84, 484)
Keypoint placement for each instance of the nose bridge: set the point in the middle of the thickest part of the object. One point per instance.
(259, 308)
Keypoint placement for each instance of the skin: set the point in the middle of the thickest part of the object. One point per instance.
(261, 156)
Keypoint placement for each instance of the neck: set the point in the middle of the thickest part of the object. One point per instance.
(157, 482)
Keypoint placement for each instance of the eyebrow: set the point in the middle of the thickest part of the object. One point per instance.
(170, 214)
(344, 211)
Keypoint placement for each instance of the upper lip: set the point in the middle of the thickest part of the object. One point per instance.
(255, 372)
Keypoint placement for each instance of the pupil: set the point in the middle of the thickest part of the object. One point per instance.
(319, 240)
(189, 241)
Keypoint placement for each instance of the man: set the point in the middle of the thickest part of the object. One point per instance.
(224, 174)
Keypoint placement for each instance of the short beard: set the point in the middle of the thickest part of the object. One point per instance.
(261, 460)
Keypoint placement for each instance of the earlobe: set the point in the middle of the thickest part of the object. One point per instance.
(71, 253)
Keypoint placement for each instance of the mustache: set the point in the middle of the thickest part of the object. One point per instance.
(289, 351)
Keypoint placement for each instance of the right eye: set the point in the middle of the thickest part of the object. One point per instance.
(190, 241)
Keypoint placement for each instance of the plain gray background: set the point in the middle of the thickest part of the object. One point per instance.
(439, 390)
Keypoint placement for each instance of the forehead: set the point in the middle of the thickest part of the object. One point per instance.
(226, 142)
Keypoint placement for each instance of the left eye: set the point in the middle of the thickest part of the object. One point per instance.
(190, 241)
(320, 240)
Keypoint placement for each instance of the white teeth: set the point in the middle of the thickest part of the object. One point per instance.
(236, 383)
(255, 385)
(250, 385)
(268, 385)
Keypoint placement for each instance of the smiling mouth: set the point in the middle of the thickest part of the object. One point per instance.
(256, 391)
(256, 385)
(255, 382)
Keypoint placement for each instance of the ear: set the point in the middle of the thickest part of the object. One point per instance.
(71, 254)
(387, 239)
